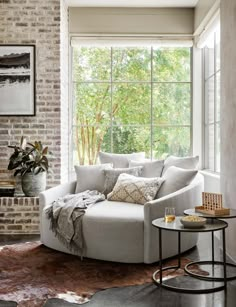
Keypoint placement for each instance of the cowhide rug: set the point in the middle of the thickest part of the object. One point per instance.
(31, 273)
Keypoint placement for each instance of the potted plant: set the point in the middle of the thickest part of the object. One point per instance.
(30, 162)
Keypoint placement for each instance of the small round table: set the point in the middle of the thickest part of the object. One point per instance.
(176, 226)
(231, 215)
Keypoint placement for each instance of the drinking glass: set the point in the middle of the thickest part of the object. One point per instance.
(169, 214)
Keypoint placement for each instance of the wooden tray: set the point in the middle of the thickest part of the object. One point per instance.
(215, 212)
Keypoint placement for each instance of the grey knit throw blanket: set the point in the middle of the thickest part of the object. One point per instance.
(65, 215)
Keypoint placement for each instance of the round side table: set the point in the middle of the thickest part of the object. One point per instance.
(176, 226)
(211, 218)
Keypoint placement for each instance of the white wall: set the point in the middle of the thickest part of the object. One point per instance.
(228, 113)
(203, 12)
(131, 21)
(197, 104)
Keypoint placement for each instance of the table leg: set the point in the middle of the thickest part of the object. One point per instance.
(160, 254)
(224, 257)
(179, 249)
(212, 247)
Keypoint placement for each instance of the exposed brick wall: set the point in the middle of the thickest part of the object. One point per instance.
(19, 215)
(37, 22)
(64, 33)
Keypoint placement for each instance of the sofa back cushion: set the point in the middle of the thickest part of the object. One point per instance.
(150, 168)
(111, 176)
(182, 162)
(120, 160)
(138, 190)
(175, 178)
(91, 177)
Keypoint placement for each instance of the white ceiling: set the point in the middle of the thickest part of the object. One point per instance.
(132, 3)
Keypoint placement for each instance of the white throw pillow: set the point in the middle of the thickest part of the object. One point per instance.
(138, 190)
(112, 175)
(91, 177)
(175, 179)
(120, 160)
(182, 162)
(150, 168)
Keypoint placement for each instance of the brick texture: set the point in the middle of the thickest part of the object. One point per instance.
(19, 215)
(45, 24)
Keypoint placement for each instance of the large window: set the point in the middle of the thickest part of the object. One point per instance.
(212, 101)
(128, 99)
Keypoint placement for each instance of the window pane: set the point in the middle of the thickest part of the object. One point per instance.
(218, 147)
(128, 139)
(218, 96)
(92, 104)
(171, 103)
(87, 142)
(217, 38)
(211, 147)
(209, 60)
(210, 93)
(171, 141)
(171, 64)
(131, 64)
(90, 64)
(131, 103)
(113, 97)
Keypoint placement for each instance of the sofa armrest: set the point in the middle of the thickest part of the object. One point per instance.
(186, 198)
(48, 196)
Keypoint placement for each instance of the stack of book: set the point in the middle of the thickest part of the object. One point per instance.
(7, 188)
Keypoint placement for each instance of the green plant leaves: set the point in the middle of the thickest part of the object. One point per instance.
(27, 159)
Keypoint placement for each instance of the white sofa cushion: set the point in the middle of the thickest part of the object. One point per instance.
(112, 230)
(117, 229)
(132, 189)
(120, 160)
(112, 175)
(150, 168)
(175, 179)
(91, 177)
(182, 162)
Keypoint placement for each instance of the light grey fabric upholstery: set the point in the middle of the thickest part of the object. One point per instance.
(112, 231)
(111, 176)
(182, 162)
(91, 177)
(150, 168)
(123, 232)
(120, 160)
(175, 179)
(188, 197)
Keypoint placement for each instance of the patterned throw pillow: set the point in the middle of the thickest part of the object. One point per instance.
(138, 190)
(111, 176)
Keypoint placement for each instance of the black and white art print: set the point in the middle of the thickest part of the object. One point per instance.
(17, 80)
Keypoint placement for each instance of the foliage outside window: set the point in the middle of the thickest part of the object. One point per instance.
(131, 99)
(212, 101)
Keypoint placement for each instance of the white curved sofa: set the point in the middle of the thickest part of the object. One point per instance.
(123, 232)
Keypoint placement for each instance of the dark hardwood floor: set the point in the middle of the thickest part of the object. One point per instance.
(149, 295)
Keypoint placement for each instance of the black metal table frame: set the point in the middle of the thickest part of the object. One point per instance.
(185, 290)
(212, 262)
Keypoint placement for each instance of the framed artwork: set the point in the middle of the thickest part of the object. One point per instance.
(17, 80)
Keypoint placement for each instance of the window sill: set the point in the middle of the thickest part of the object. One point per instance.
(209, 173)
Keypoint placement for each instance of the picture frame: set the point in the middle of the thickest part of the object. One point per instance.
(17, 80)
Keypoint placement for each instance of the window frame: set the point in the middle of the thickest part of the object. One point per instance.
(151, 83)
(215, 123)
